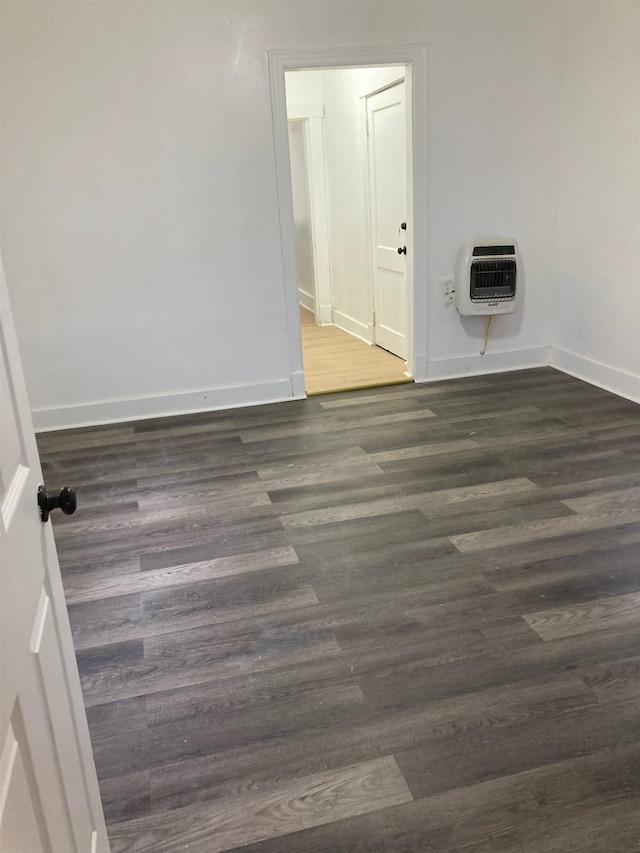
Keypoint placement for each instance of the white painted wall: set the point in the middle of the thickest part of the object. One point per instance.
(598, 290)
(139, 204)
(305, 87)
(142, 244)
(493, 132)
(302, 214)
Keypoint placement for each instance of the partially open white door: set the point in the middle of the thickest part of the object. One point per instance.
(386, 131)
(49, 799)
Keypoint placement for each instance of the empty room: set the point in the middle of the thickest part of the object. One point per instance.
(238, 614)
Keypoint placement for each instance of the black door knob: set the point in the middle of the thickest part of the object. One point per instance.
(66, 501)
(402, 250)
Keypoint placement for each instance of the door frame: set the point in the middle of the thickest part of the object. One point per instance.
(414, 57)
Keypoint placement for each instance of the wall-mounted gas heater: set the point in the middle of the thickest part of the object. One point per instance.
(489, 277)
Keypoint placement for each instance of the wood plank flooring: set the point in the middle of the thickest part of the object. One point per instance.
(388, 621)
(337, 361)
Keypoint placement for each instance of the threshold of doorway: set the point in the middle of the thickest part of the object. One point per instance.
(359, 387)
(336, 361)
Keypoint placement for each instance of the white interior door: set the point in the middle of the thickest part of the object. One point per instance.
(49, 798)
(386, 133)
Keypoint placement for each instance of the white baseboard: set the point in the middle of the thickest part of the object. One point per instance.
(595, 372)
(116, 411)
(307, 300)
(352, 326)
(617, 381)
(492, 362)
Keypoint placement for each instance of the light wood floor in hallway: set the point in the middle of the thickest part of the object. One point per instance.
(337, 361)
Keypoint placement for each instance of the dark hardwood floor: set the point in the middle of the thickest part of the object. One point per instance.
(388, 621)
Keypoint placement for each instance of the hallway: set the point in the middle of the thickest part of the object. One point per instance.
(337, 361)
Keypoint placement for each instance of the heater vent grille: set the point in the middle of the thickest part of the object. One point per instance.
(493, 279)
(489, 277)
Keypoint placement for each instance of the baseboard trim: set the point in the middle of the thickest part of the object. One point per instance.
(307, 300)
(493, 362)
(352, 326)
(603, 376)
(596, 373)
(141, 408)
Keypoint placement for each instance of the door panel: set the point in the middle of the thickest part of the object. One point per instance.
(386, 125)
(391, 309)
(21, 809)
(50, 798)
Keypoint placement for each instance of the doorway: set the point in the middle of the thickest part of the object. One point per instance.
(348, 159)
(345, 101)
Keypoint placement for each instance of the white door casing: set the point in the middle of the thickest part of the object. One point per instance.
(49, 798)
(387, 167)
(414, 58)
